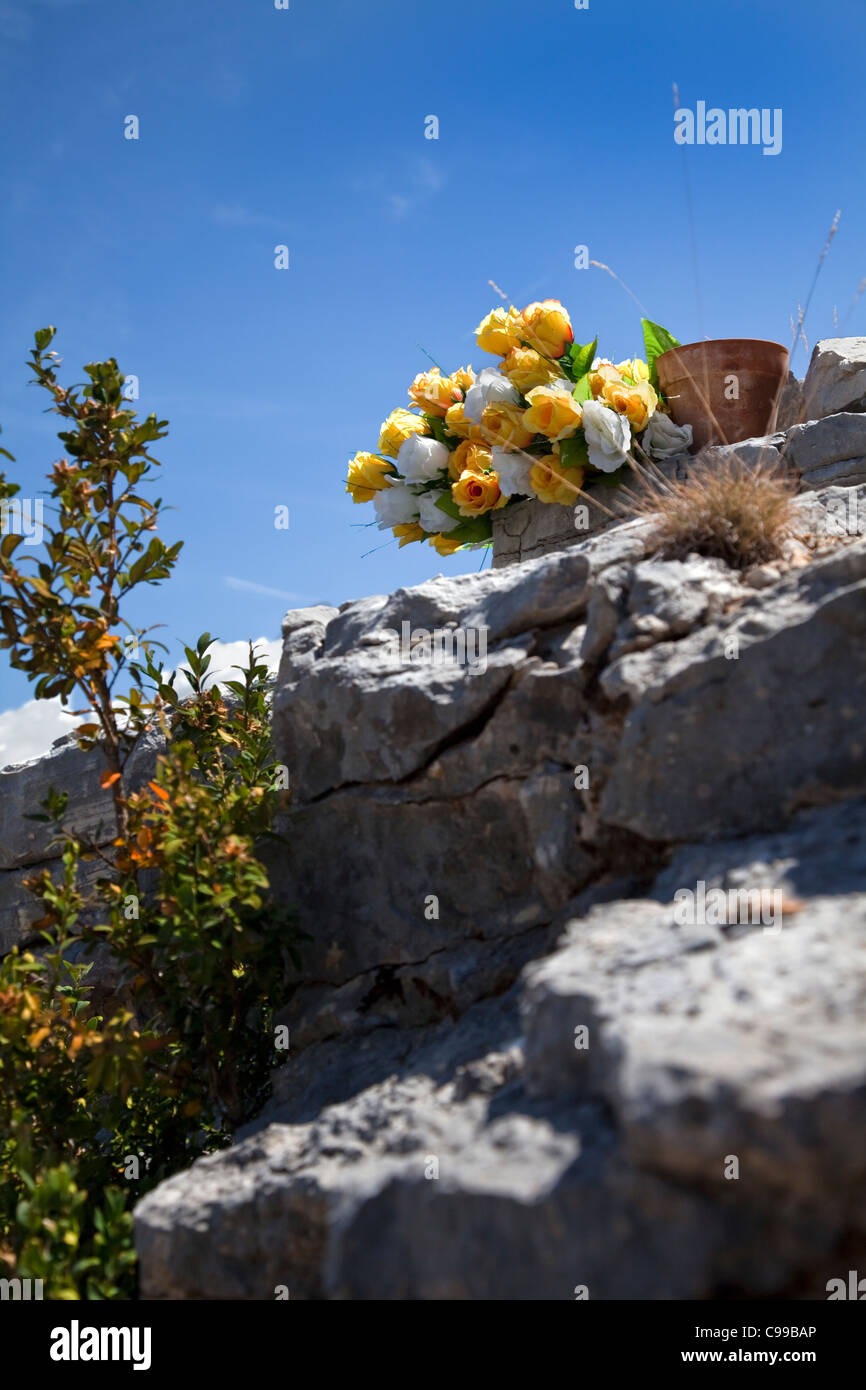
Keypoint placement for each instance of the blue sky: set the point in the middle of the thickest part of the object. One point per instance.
(305, 127)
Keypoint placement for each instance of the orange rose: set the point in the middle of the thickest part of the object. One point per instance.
(368, 474)
(500, 331)
(638, 403)
(526, 368)
(477, 493)
(552, 483)
(547, 327)
(469, 457)
(503, 425)
(435, 393)
(400, 426)
(552, 412)
(600, 376)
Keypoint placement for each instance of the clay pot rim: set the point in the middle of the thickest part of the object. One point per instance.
(715, 342)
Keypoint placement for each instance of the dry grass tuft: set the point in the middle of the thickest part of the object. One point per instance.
(735, 513)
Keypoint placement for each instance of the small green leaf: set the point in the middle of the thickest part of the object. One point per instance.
(448, 506)
(582, 357)
(657, 340)
(9, 544)
(582, 391)
(574, 452)
(476, 528)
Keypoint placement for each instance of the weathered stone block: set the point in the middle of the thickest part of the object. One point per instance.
(836, 379)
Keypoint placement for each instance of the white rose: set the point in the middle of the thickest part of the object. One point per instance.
(491, 388)
(663, 439)
(512, 470)
(395, 506)
(608, 436)
(433, 519)
(420, 459)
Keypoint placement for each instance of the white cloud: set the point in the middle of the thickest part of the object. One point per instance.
(225, 655)
(248, 586)
(428, 177)
(236, 215)
(29, 731)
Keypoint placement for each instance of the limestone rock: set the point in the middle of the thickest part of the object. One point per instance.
(740, 724)
(836, 379)
(831, 450)
(489, 852)
(24, 786)
(412, 1163)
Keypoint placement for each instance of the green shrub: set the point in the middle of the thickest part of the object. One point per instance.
(89, 1101)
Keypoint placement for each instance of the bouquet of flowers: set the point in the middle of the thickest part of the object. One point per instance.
(549, 417)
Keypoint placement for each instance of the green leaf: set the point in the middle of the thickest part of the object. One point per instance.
(43, 337)
(10, 543)
(582, 357)
(582, 391)
(440, 431)
(566, 366)
(657, 340)
(448, 506)
(475, 528)
(574, 452)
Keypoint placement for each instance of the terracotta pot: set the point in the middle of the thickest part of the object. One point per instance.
(727, 389)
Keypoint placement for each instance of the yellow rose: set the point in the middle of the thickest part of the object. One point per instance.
(459, 425)
(601, 375)
(638, 403)
(469, 457)
(435, 393)
(408, 532)
(463, 378)
(367, 476)
(553, 413)
(552, 483)
(547, 327)
(500, 331)
(503, 425)
(526, 368)
(476, 493)
(635, 368)
(400, 426)
(444, 544)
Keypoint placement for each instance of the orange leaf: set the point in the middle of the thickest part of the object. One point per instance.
(160, 791)
(108, 779)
